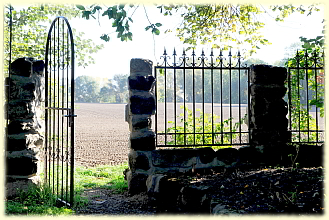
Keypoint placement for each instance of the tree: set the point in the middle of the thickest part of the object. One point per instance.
(218, 24)
(121, 87)
(107, 92)
(30, 29)
(86, 89)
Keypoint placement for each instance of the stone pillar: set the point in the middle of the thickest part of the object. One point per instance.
(25, 129)
(139, 110)
(268, 110)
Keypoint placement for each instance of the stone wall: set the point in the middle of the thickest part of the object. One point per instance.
(268, 130)
(25, 129)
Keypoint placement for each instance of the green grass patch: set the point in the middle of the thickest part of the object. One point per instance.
(36, 200)
(39, 200)
(104, 176)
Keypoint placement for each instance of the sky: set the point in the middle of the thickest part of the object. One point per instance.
(116, 55)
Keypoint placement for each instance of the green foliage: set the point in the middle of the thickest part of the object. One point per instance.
(29, 30)
(36, 200)
(286, 10)
(205, 123)
(306, 81)
(117, 14)
(202, 24)
(222, 23)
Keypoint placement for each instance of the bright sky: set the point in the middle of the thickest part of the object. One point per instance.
(116, 55)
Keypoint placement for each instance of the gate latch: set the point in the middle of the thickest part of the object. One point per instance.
(70, 118)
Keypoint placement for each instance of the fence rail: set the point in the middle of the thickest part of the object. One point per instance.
(306, 97)
(201, 101)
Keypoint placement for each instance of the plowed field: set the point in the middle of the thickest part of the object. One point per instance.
(101, 134)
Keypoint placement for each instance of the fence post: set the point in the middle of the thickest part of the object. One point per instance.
(268, 111)
(24, 143)
(140, 108)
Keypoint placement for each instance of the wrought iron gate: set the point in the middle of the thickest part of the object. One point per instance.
(59, 111)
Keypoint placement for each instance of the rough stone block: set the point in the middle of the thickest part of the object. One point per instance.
(263, 137)
(22, 66)
(164, 191)
(21, 110)
(142, 104)
(23, 126)
(268, 91)
(136, 182)
(145, 143)
(206, 155)
(270, 122)
(25, 66)
(138, 122)
(138, 160)
(142, 67)
(153, 183)
(26, 88)
(141, 82)
(195, 199)
(175, 158)
(266, 74)
(21, 166)
(227, 155)
(248, 154)
(22, 141)
(142, 133)
(127, 116)
(260, 106)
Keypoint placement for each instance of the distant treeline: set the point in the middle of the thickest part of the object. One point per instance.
(94, 90)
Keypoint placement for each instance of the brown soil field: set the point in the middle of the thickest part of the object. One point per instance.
(101, 134)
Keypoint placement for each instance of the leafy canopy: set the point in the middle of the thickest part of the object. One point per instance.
(222, 25)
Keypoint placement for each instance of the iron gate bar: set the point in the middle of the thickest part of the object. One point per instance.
(55, 63)
(307, 107)
(175, 95)
(184, 60)
(193, 80)
(212, 95)
(9, 64)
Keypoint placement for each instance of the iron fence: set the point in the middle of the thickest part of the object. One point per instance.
(202, 101)
(306, 97)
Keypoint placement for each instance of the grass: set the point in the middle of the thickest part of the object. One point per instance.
(38, 200)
